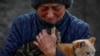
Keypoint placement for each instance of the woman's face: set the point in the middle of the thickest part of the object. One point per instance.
(51, 12)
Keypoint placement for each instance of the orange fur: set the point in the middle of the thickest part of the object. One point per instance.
(67, 49)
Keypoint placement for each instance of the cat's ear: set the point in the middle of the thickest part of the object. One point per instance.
(80, 44)
(92, 40)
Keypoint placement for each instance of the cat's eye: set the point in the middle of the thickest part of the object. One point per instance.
(87, 53)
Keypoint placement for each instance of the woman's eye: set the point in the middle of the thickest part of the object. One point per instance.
(56, 8)
(44, 8)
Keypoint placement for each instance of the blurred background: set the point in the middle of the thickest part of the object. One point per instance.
(88, 10)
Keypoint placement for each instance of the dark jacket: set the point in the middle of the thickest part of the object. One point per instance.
(25, 28)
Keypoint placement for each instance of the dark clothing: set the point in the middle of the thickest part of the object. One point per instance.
(25, 28)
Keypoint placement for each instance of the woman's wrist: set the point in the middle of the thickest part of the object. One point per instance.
(51, 52)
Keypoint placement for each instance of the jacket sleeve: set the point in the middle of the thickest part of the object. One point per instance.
(13, 41)
(83, 31)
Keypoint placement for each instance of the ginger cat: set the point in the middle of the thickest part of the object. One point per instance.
(82, 47)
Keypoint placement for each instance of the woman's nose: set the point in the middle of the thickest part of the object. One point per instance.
(50, 13)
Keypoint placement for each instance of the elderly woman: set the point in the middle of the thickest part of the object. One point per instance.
(33, 28)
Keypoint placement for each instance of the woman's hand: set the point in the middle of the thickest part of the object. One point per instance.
(46, 42)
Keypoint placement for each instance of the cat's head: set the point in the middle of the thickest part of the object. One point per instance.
(84, 47)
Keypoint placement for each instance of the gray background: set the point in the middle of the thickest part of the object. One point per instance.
(88, 10)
